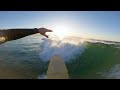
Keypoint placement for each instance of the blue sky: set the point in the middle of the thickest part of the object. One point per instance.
(92, 24)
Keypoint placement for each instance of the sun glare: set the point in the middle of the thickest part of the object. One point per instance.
(61, 30)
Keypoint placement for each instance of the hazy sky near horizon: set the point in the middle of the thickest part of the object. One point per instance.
(90, 24)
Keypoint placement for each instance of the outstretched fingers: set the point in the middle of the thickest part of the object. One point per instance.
(46, 36)
(49, 31)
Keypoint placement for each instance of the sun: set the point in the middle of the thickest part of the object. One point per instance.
(61, 30)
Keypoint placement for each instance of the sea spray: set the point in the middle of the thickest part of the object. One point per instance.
(68, 48)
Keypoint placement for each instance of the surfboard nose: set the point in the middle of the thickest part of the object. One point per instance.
(57, 68)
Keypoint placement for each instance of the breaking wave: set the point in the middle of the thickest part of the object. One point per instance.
(67, 48)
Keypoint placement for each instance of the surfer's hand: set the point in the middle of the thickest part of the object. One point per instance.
(43, 31)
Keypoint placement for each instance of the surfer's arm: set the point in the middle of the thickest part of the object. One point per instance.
(13, 34)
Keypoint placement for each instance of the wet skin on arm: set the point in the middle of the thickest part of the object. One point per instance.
(13, 34)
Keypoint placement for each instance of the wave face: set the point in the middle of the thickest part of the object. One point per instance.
(88, 58)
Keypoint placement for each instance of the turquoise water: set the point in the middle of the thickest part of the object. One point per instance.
(21, 59)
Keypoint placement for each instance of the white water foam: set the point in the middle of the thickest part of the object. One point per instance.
(43, 76)
(113, 73)
(67, 48)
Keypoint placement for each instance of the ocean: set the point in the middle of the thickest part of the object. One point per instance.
(28, 58)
